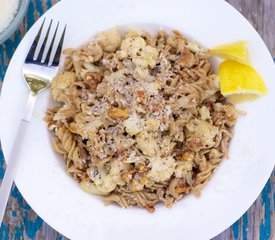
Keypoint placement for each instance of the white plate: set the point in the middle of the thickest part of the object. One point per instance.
(237, 182)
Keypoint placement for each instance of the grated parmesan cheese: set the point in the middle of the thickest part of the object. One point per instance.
(8, 9)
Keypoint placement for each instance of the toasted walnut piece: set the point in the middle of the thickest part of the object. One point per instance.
(116, 113)
(186, 156)
(141, 96)
(142, 167)
(194, 143)
(128, 176)
(150, 209)
(121, 150)
(187, 60)
(155, 107)
(91, 80)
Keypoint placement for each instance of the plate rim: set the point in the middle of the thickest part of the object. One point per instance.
(4, 152)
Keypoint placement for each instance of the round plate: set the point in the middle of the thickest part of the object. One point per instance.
(238, 181)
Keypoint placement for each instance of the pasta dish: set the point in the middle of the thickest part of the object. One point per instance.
(140, 119)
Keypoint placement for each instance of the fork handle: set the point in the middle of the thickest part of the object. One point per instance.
(11, 168)
(29, 107)
(14, 156)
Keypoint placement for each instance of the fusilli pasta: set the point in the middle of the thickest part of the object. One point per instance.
(140, 118)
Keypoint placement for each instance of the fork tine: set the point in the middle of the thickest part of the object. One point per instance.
(59, 49)
(47, 60)
(31, 52)
(40, 55)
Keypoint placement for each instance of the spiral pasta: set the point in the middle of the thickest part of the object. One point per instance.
(140, 118)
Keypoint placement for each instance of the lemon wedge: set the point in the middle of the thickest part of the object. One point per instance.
(237, 51)
(238, 78)
(240, 98)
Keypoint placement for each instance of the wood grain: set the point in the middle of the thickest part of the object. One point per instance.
(261, 14)
(21, 222)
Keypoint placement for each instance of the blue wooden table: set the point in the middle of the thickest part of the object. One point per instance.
(21, 222)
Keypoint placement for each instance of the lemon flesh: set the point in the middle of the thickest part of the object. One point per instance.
(238, 78)
(237, 51)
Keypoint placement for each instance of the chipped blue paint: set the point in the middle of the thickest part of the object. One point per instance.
(2, 62)
(236, 230)
(2, 53)
(18, 232)
(3, 69)
(32, 227)
(9, 48)
(16, 194)
(39, 8)
(274, 184)
(49, 3)
(244, 226)
(1, 161)
(4, 232)
(30, 15)
(265, 228)
(18, 37)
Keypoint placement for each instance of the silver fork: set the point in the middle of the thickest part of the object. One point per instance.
(38, 74)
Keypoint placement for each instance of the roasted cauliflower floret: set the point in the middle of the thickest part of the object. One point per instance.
(152, 88)
(183, 169)
(141, 54)
(109, 40)
(152, 124)
(133, 125)
(201, 134)
(146, 144)
(161, 168)
(61, 83)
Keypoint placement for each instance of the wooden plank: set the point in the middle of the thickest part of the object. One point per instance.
(259, 220)
(261, 14)
(21, 222)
